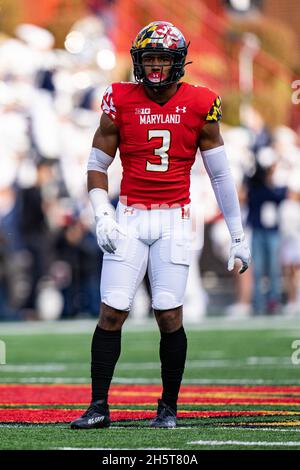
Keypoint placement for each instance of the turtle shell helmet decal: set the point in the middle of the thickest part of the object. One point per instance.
(159, 37)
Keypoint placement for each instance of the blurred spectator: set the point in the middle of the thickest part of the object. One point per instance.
(264, 198)
(10, 242)
(77, 269)
(4, 301)
(238, 143)
(34, 228)
(259, 133)
(290, 245)
(290, 254)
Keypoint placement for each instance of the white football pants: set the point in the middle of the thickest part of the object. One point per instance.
(158, 240)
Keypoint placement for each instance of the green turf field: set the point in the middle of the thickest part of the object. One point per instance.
(253, 354)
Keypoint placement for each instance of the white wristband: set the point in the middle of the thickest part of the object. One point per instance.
(100, 203)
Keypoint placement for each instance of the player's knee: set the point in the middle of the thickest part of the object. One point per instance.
(118, 300)
(110, 318)
(164, 301)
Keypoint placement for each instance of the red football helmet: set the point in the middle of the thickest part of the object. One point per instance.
(159, 37)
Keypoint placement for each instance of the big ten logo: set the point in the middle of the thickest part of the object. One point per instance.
(296, 94)
(296, 354)
(2, 353)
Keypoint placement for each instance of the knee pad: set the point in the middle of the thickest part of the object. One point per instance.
(165, 301)
(118, 300)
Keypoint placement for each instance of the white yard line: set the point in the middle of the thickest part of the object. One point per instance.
(247, 443)
(252, 361)
(88, 326)
(112, 448)
(44, 380)
(258, 428)
(47, 367)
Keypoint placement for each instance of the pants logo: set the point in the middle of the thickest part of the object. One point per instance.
(129, 210)
(185, 212)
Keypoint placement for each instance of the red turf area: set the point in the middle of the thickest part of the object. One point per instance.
(40, 403)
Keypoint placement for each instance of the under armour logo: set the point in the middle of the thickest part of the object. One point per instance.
(182, 110)
(129, 210)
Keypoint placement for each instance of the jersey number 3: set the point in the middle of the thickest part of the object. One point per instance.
(162, 151)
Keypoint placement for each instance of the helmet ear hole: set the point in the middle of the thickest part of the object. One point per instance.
(159, 37)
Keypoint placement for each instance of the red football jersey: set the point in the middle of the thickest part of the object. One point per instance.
(158, 143)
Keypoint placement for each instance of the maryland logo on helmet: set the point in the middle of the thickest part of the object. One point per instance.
(159, 36)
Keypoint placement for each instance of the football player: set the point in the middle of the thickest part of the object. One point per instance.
(158, 124)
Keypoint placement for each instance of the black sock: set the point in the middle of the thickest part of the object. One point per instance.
(106, 349)
(173, 347)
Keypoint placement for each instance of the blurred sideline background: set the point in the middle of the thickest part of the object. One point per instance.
(56, 59)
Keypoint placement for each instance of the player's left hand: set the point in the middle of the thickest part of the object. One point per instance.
(239, 250)
(106, 231)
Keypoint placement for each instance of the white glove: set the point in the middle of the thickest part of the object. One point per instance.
(106, 231)
(239, 250)
(106, 225)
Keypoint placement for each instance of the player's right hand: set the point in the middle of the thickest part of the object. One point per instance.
(106, 232)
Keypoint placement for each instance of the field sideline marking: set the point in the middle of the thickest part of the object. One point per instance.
(199, 363)
(88, 326)
(246, 443)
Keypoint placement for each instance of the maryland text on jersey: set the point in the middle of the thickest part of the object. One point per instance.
(160, 119)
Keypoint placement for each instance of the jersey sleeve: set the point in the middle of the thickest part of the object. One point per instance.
(108, 103)
(215, 112)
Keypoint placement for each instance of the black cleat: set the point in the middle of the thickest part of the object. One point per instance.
(165, 418)
(96, 416)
